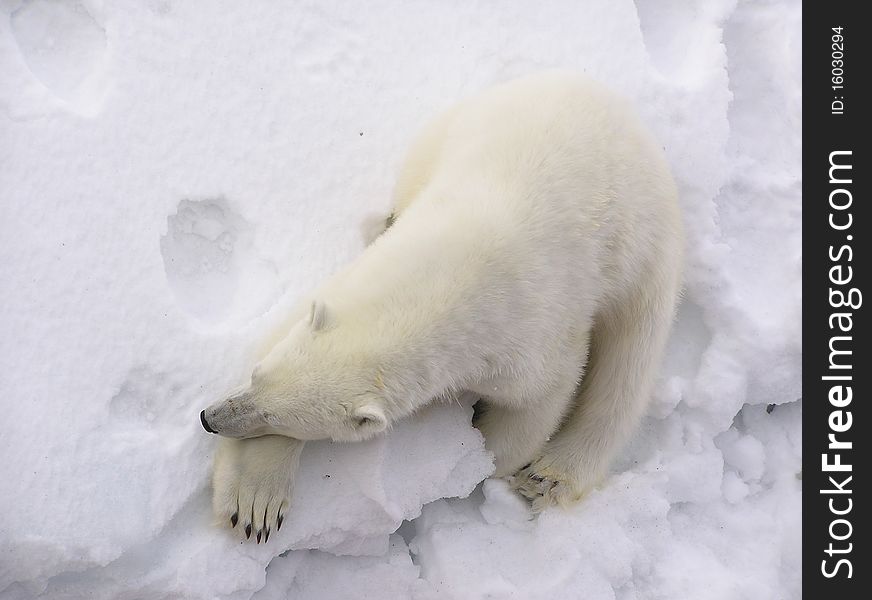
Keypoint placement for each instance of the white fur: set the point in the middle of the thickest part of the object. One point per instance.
(536, 239)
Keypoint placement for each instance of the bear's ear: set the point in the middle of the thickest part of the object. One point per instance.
(319, 317)
(368, 419)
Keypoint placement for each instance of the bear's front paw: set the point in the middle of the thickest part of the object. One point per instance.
(545, 486)
(252, 483)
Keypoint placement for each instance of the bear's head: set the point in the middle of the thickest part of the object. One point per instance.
(313, 385)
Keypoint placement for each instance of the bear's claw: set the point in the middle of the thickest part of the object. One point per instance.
(543, 487)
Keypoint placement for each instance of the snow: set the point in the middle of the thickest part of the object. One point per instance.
(173, 175)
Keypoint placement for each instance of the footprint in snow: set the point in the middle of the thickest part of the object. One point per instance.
(212, 268)
(64, 48)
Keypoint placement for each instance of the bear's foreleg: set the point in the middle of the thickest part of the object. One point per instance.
(626, 346)
(252, 482)
(517, 431)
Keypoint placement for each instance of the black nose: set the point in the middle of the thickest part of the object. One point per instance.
(205, 422)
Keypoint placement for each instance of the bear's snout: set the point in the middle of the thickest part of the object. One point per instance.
(235, 417)
(205, 422)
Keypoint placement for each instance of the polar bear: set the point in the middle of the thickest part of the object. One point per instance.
(534, 259)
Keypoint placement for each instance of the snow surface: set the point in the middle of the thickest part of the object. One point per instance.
(174, 174)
